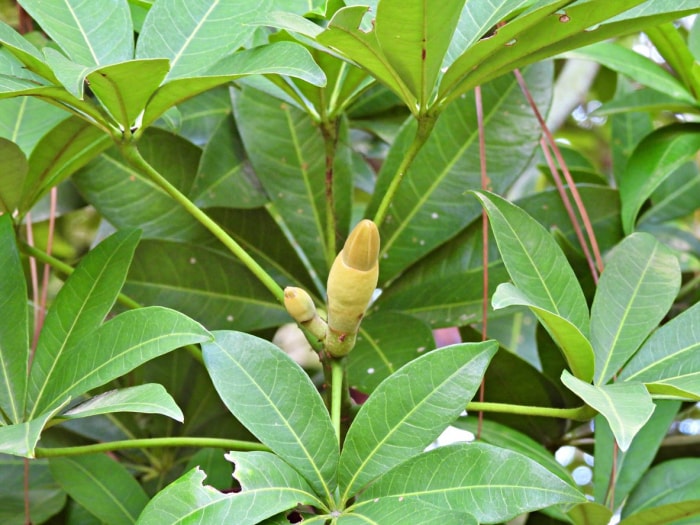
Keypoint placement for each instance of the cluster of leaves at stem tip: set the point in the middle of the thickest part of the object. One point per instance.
(222, 149)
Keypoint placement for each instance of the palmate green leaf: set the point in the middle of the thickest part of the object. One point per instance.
(637, 67)
(60, 153)
(24, 120)
(540, 271)
(397, 510)
(208, 285)
(669, 361)
(21, 439)
(409, 410)
(626, 406)
(125, 88)
(445, 288)
(187, 501)
(127, 199)
(670, 482)
(117, 347)
(44, 496)
(287, 150)
(502, 436)
(640, 282)
(494, 484)
(189, 33)
(79, 308)
(102, 485)
(430, 206)
(14, 170)
(275, 399)
(14, 329)
(654, 159)
(386, 342)
(224, 177)
(631, 465)
(282, 58)
(145, 399)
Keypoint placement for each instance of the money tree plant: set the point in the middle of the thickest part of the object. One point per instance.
(291, 249)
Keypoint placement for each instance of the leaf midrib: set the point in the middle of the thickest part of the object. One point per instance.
(392, 431)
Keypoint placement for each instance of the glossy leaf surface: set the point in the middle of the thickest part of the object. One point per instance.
(540, 271)
(144, 399)
(275, 399)
(626, 406)
(90, 33)
(14, 330)
(656, 157)
(669, 361)
(221, 291)
(187, 500)
(409, 410)
(465, 476)
(386, 342)
(431, 206)
(102, 485)
(638, 286)
(188, 33)
(117, 347)
(669, 482)
(80, 307)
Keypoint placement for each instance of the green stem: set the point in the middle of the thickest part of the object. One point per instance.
(425, 126)
(230, 444)
(329, 130)
(132, 154)
(337, 373)
(582, 413)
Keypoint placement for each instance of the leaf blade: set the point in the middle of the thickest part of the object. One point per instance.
(148, 398)
(637, 288)
(303, 435)
(79, 308)
(381, 438)
(626, 406)
(102, 485)
(494, 484)
(14, 330)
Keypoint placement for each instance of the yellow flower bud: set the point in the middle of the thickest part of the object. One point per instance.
(302, 309)
(351, 283)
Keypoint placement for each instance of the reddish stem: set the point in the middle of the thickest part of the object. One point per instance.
(569, 209)
(567, 175)
(485, 183)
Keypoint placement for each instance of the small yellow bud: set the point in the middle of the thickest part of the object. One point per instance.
(299, 304)
(302, 309)
(351, 283)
